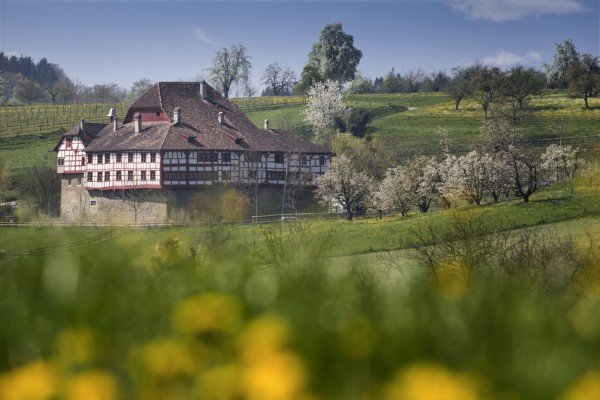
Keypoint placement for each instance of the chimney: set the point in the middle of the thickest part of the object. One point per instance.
(203, 90)
(81, 124)
(137, 121)
(266, 124)
(176, 115)
(111, 114)
(220, 117)
(115, 122)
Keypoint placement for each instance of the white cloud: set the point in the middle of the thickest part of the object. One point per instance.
(202, 36)
(514, 10)
(504, 58)
(534, 56)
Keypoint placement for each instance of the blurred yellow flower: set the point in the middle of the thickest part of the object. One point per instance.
(276, 376)
(219, 383)
(452, 279)
(167, 359)
(75, 346)
(36, 381)
(263, 336)
(270, 371)
(92, 385)
(431, 382)
(586, 388)
(207, 313)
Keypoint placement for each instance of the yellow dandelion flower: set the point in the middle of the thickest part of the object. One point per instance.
(207, 313)
(36, 381)
(219, 383)
(167, 359)
(586, 388)
(264, 335)
(276, 376)
(92, 385)
(431, 382)
(76, 346)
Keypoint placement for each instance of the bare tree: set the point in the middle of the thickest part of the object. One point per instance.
(485, 81)
(278, 79)
(230, 66)
(414, 80)
(459, 87)
(520, 83)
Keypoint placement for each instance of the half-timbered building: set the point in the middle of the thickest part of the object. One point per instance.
(177, 137)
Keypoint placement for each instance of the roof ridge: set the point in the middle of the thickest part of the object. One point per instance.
(160, 95)
(162, 145)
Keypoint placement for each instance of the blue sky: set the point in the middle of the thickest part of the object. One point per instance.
(106, 41)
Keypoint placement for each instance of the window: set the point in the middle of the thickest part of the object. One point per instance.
(99, 179)
(69, 181)
(106, 158)
(143, 175)
(129, 157)
(79, 181)
(90, 177)
(305, 160)
(203, 176)
(90, 158)
(275, 175)
(92, 202)
(226, 158)
(61, 162)
(204, 157)
(174, 176)
(69, 142)
(152, 175)
(278, 158)
(82, 160)
(321, 160)
(119, 157)
(152, 157)
(129, 175)
(107, 176)
(118, 175)
(143, 157)
(225, 176)
(252, 175)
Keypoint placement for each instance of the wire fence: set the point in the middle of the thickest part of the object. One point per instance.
(270, 218)
(263, 103)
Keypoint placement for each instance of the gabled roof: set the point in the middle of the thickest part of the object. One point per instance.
(87, 135)
(198, 126)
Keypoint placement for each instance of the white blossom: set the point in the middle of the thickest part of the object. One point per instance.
(345, 185)
(560, 162)
(325, 103)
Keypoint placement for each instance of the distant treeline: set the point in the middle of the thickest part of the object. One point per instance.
(23, 81)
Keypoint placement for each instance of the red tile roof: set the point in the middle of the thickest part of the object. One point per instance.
(198, 128)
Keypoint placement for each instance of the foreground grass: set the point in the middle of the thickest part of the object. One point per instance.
(133, 321)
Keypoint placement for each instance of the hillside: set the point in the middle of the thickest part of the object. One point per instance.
(27, 133)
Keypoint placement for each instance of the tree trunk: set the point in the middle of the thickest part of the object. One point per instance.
(585, 99)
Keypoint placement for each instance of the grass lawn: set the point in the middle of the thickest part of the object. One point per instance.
(363, 235)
